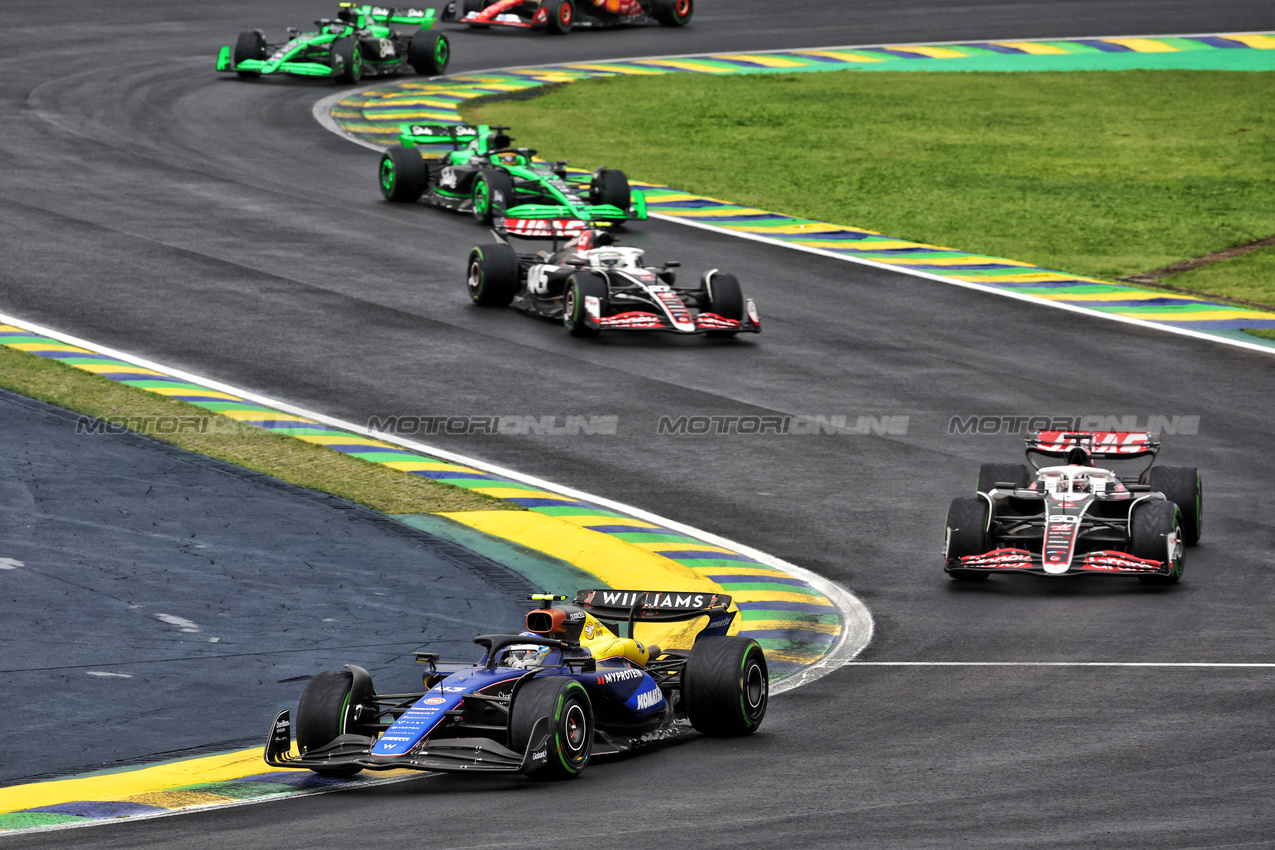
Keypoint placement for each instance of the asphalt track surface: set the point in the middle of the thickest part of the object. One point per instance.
(210, 224)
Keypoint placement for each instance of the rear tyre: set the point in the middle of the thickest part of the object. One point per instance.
(326, 712)
(991, 474)
(561, 15)
(610, 186)
(429, 53)
(251, 44)
(403, 175)
(1149, 530)
(347, 60)
(1182, 486)
(493, 275)
(966, 534)
(493, 194)
(725, 298)
(580, 287)
(565, 703)
(672, 13)
(725, 685)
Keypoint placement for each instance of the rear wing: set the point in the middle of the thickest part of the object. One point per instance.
(433, 135)
(658, 606)
(382, 15)
(1098, 444)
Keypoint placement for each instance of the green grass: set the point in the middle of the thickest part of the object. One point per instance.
(286, 458)
(1099, 174)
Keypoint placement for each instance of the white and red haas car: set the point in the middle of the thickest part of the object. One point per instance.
(591, 285)
(1077, 518)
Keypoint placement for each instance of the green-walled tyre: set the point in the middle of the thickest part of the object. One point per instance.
(429, 53)
(493, 194)
(565, 704)
(1182, 486)
(347, 60)
(251, 44)
(725, 686)
(403, 175)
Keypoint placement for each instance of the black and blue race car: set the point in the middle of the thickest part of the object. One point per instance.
(543, 701)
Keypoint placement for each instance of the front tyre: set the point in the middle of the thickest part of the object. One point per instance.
(1182, 486)
(565, 704)
(327, 711)
(403, 175)
(610, 186)
(583, 288)
(493, 194)
(560, 16)
(725, 298)
(347, 60)
(251, 44)
(966, 534)
(672, 13)
(1155, 533)
(725, 685)
(429, 53)
(493, 275)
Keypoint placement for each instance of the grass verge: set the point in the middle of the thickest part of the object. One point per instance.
(286, 458)
(1103, 174)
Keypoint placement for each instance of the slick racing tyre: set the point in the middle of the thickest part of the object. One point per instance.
(565, 704)
(493, 194)
(328, 708)
(493, 275)
(967, 534)
(429, 53)
(403, 175)
(347, 60)
(581, 286)
(1181, 485)
(560, 15)
(991, 474)
(251, 44)
(672, 13)
(725, 685)
(724, 298)
(610, 186)
(1149, 530)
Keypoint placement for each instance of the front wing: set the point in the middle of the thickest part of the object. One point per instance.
(480, 755)
(1104, 562)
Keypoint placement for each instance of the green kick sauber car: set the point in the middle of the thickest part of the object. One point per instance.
(359, 42)
(475, 169)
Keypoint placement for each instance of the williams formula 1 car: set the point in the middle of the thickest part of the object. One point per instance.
(1077, 518)
(541, 702)
(358, 43)
(478, 172)
(560, 16)
(591, 285)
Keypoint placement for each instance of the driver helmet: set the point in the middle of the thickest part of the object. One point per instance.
(525, 655)
(1078, 456)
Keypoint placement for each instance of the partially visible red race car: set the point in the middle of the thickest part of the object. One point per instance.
(561, 16)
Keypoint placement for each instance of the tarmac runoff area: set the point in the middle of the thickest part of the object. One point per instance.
(160, 605)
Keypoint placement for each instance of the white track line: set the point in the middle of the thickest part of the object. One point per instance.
(857, 627)
(1178, 664)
